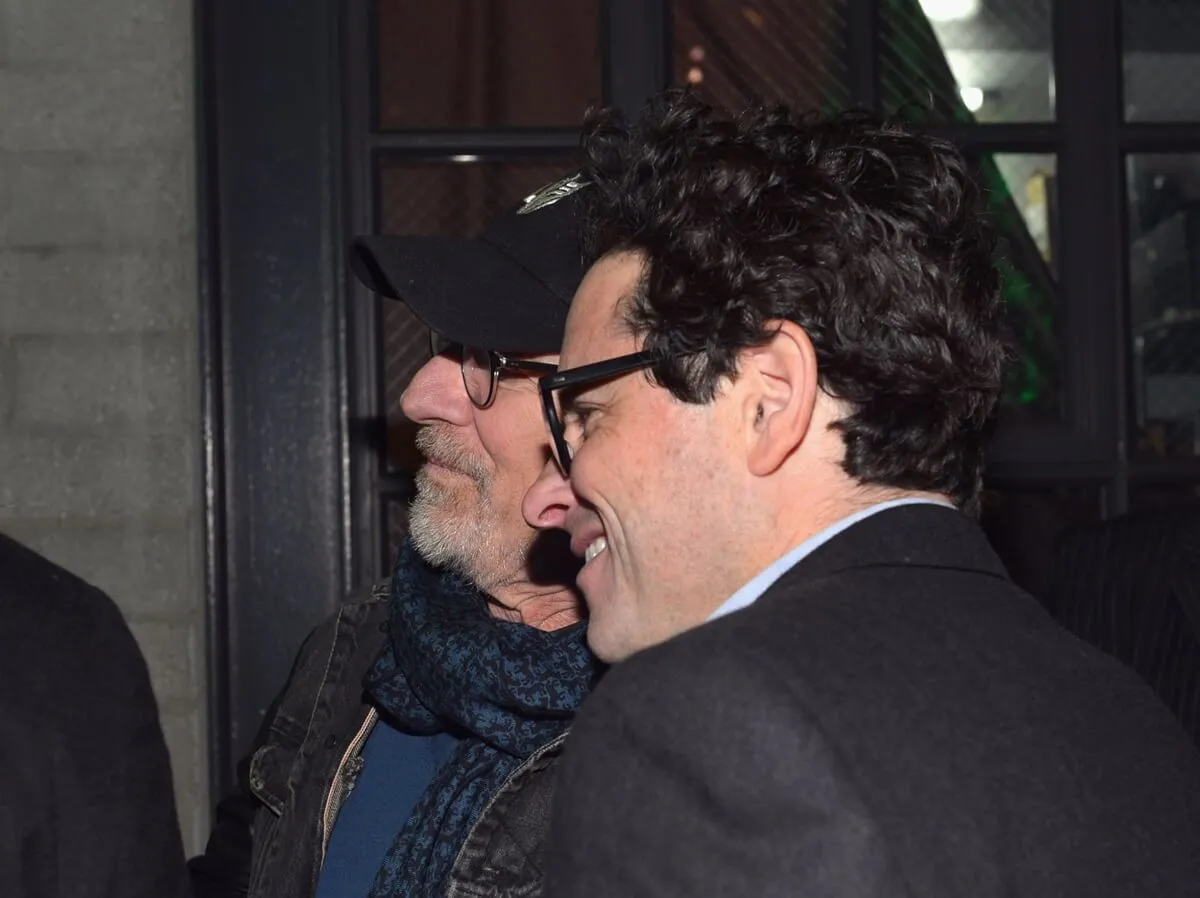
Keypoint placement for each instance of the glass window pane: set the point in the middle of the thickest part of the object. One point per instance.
(731, 53)
(444, 198)
(1164, 296)
(1021, 201)
(967, 60)
(1162, 59)
(487, 63)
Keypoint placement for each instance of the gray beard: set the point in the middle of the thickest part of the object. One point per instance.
(458, 528)
(442, 533)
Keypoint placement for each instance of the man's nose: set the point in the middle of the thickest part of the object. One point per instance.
(436, 393)
(549, 499)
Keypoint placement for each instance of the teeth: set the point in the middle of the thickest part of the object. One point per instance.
(595, 549)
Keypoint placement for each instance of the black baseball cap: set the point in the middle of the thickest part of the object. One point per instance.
(508, 289)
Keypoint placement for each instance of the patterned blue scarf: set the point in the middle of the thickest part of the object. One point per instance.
(505, 688)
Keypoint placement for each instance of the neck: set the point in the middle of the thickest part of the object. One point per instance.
(797, 522)
(541, 607)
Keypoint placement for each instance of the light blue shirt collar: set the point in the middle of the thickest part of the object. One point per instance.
(750, 593)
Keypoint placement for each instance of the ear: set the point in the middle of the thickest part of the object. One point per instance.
(780, 392)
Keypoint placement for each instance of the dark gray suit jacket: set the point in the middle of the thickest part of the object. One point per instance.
(892, 718)
(87, 809)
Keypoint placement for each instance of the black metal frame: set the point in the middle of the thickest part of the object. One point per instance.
(295, 478)
(1084, 47)
(273, 324)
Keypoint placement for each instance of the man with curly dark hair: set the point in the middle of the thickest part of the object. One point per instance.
(771, 407)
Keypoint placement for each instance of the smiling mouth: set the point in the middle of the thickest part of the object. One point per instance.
(596, 547)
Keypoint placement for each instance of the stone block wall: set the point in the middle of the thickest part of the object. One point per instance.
(99, 384)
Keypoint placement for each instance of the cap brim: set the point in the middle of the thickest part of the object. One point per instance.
(464, 290)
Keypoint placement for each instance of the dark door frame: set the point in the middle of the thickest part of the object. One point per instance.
(272, 355)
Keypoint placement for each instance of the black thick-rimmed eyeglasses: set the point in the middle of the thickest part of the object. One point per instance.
(481, 368)
(576, 379)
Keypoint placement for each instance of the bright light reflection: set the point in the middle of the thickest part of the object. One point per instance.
(949, 10)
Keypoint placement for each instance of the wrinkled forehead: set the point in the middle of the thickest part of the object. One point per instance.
(596, 326)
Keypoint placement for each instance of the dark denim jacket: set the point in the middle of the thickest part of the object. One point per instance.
(270, 837)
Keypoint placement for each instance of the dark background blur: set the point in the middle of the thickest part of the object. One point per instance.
(320, 120)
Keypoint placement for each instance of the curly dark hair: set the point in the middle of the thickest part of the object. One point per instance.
(865, 233)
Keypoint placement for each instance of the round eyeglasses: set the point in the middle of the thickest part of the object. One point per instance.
(482, 368)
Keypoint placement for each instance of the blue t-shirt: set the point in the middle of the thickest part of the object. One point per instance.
(396, 769)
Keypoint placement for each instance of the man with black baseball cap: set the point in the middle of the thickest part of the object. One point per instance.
(509, 289)
(411, 751)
